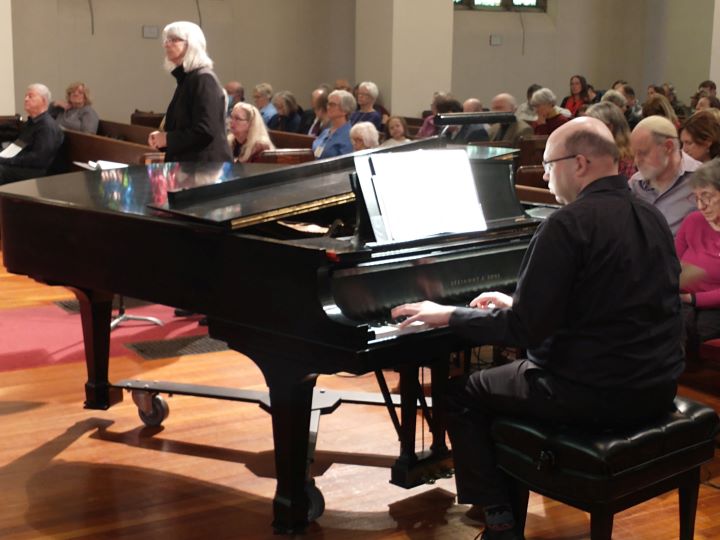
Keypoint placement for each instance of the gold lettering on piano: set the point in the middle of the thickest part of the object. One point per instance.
(474, 280)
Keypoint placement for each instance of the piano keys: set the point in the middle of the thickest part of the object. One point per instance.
(211, 239)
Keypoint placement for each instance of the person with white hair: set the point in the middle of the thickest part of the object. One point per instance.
(248, 136)
(38, 141)
(549, 116)
(335, 139)
(195, 119)
(663, 169)
(367, 95)
(363, 135)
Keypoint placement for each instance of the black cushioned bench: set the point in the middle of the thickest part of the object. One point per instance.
(607, 472)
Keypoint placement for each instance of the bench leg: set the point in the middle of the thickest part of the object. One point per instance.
(519, 496)
(688, 489)
(601, 524)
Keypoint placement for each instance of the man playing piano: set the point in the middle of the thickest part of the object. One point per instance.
(596, 306)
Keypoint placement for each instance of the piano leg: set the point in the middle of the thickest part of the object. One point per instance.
(95, 313)
(297, 501)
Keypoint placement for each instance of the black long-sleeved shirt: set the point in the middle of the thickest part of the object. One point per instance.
(40, 138)
(597, 295)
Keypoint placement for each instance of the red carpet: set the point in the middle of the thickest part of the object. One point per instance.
(45, 335)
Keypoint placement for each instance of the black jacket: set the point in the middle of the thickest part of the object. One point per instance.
(195, 118)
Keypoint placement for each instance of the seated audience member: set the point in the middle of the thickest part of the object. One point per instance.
(681, 110)
(610, 115)
(441, 103)
(335, 140)
(618, 84)
(39, 140)
(468, 133)
(262, 97)
(397, 132)
(597, 308)
(663, 169)
(76, 111)
(363, 135)
(633, 113)
(700, 136)
(343, 84)
(235, 94)
(508, 132)
(308, 124)
(705, 89)
(367, 94)
(248, 136)
(659, 105)
(288, 115)
(594, 96)
(525, 112)
(653, 90)
(696, 245)
(578, 94)
(321, 121)
(548, 115)
(707, 102)
(616, 98)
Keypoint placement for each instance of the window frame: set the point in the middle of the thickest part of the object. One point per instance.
(505, 5)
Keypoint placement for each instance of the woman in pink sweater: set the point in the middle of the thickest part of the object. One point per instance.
(698, 247)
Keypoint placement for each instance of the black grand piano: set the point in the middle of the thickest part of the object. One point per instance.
(233, 242)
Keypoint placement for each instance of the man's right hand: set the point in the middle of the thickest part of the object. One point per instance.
(489, 300)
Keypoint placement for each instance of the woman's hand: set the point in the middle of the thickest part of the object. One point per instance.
(489, 300)
(430, 313)
(157, 139)
(62, 104)
(686, 298)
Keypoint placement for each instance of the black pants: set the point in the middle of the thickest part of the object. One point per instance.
(11, 173)
(700, 325)
(521, 388)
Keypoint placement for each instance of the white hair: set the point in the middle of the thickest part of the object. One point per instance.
(371, 88)
(367, 132)
(543, 96)
(41, 89)
(347, 101)
(196, 56)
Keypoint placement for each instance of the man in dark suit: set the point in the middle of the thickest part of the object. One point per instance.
(508, 132)
(32, 153)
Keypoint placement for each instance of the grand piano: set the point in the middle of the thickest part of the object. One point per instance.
(233, 242)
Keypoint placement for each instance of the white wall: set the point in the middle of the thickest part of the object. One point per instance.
(292, 44)
(296, 44)
(641, 41)
(7, 84)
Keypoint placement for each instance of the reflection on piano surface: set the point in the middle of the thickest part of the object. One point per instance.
(211, 239)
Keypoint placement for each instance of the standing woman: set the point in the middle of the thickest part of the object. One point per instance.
(195, 118)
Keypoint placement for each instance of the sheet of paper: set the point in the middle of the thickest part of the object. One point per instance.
(425, 193)
(11, 151)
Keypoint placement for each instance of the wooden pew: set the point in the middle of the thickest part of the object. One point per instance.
(289, 156)
(414, 125)
(286, 139)
(531, 150)
(530, 194)
(531, 175)
(124, 132)
(146, 118)
(84, 147)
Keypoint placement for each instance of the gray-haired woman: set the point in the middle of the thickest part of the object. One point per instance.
(195, 119)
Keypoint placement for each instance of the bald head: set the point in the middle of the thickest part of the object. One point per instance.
(577, 154)
(503, 103)
(472, 105)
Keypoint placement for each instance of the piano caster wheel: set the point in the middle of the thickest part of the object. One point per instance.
(160, 411)
(316, 505)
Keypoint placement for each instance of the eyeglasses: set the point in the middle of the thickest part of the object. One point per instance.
(333, 104)
(173, 40)
(548, 164)
(239, 118)
(706, 199)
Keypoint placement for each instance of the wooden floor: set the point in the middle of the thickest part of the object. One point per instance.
(70, 473)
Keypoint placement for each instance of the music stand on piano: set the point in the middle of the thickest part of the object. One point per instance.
(123, 316)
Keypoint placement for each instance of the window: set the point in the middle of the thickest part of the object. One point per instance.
(502, 5)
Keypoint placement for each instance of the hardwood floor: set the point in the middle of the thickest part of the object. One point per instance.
(70, 473)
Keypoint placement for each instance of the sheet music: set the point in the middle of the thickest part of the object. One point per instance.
(426, 193)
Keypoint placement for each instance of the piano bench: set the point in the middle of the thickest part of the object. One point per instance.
(606, 472)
